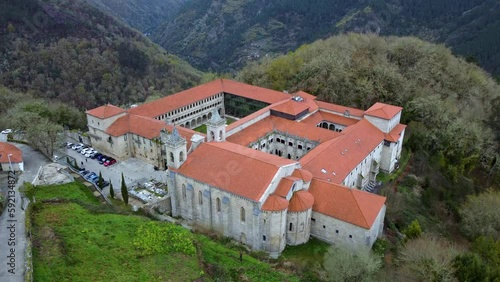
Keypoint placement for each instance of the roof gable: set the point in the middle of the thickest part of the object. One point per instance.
(105, 111)
(350, 205)
(233, 168)
(6, 149)
(383, 111)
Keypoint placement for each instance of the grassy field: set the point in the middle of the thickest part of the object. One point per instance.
(76, 239)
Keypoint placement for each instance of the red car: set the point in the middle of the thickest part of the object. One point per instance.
(109, 162)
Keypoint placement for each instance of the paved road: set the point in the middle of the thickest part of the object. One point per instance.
(12, 252)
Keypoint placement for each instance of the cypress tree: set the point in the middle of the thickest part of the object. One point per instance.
(100, 182)
(111, 191)
(124, 191)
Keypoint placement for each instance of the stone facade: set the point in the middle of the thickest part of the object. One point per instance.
(286, 211)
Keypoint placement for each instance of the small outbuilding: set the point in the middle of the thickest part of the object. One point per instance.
(10, 155)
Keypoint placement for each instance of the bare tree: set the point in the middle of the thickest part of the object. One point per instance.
(343, 264)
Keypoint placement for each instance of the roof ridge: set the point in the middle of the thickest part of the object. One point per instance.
(358, 206)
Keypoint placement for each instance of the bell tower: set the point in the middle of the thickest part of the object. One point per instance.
(175, 148)
(216, 128)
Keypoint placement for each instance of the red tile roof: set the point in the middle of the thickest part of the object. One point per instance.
(350, 205)
(320, 116)
(384, 111)
(6, 149)
(272, 123)
(395, 133)
(233, 168)
(301, 201)
(105, 111)
(303, 174)
(331, 161)
(291, 107)
(339, 109)
(146, 127)
(275, 203)
(189, 96)
(285, 186)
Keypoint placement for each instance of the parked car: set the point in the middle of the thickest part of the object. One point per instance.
(7, 131)
(77, 146)
(91, 175)
(109, 162)
(84, 173)
(81, 148)
(104, 159)
(85, 150)
(96, 156)
(69, 145)
(99, 158)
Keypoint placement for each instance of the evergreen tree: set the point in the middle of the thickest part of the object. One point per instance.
(124, 191)
(111, 190)
(100, 181)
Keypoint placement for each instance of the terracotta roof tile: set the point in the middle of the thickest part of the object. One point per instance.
(339, 109)
(272, 123)
(233, 168)
(6, 149)
(331, 161)
(275, 203)
(301, 201)
(303, 174)
(320, 116)
(350, 205)
(198, 93)
(291, 107)
(382, 110)
(146, 127)
(395, 133)
(105, 111)
(285, 186)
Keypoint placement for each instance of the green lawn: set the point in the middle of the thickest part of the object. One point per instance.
(81, 240)
(202, 128)
(313, 251)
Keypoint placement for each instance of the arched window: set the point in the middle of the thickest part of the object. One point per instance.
(171, 157)
(181, 156)
(263, 237)
(220, 135)
(200, 198)
(183, 191)
(212, 135)
(301, 227)
(217, 204)
(242, 214)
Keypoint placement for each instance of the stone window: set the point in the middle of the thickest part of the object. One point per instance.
(263, 237)
(290, 144)
(299, 147)
(301, 227)
(171, 157)
(217, 204)
(336, 232)
(242, 214)
(350, 236)
(183, 191)
(324, 227)
(313, 220)
(200, 198)
(181, 156)
(290, 228)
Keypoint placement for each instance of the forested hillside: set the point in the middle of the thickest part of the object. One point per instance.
(451, 106)
(442, 221)
(141, 14)
(72, 52)
(226, 34)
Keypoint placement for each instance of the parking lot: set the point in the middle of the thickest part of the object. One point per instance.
(134, 171)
